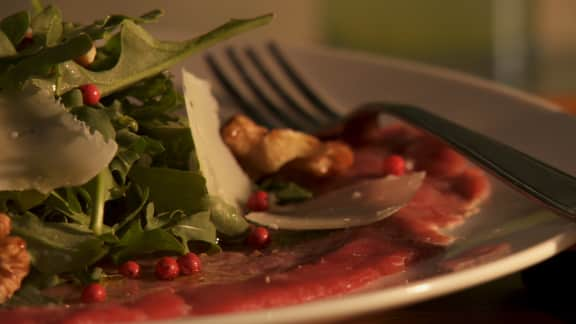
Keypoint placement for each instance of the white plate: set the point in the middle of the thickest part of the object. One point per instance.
(518, 119)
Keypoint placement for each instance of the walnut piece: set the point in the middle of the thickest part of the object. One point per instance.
(241, 134)
(14, 260)
(5, 225)
(280, 146)
(332, 158)
(262, 152)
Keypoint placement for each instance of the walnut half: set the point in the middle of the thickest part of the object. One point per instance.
(332, 158)
(263, 152)
(14, 260)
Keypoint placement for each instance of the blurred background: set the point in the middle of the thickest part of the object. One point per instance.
(529, 44)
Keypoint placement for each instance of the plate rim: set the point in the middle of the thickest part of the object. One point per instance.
(428, 69)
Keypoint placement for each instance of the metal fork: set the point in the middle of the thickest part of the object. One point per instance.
(553, 188)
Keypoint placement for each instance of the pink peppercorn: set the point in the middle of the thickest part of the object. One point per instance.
(167, 268)
(189, 264)
(90, 94)
(93, 293)
(258, 201)
(258, 238)
(394, 164)
(130, 269)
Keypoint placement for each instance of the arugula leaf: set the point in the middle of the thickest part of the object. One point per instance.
(196, 227)
(47, 26)
(41, 64)
(132, 147)
(148, 90)
(292, 193)
(57, 247)
(172, 189)
(37, 6)
(157, 100)
(161, 220)
(286, 192)
(119, 119)
(30, 295)
(72, 200)
(87, 276)
(143, 196)
(178, 145)
(15, 26)
(226, 218)
(24, 200)
(96, 119)
(137, 242)
(107, 55)
(41, 280)
(73, 98)
(153, 56)
(66, 202)
(6, 47)
(103, 27)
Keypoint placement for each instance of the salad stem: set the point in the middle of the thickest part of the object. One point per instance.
(97, 216)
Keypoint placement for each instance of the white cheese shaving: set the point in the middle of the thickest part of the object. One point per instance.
(224, 176)
(45, 147)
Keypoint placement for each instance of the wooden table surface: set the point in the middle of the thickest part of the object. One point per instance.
(506, 300)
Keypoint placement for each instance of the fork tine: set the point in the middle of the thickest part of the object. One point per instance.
(321, 105)
(280, 91)
(278, 113)
(237, 96)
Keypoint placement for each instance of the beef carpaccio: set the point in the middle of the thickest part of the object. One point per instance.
(318, 266)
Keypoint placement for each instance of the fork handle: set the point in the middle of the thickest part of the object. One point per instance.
(550, 186)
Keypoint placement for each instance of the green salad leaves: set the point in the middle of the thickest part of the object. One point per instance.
(148, 195)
